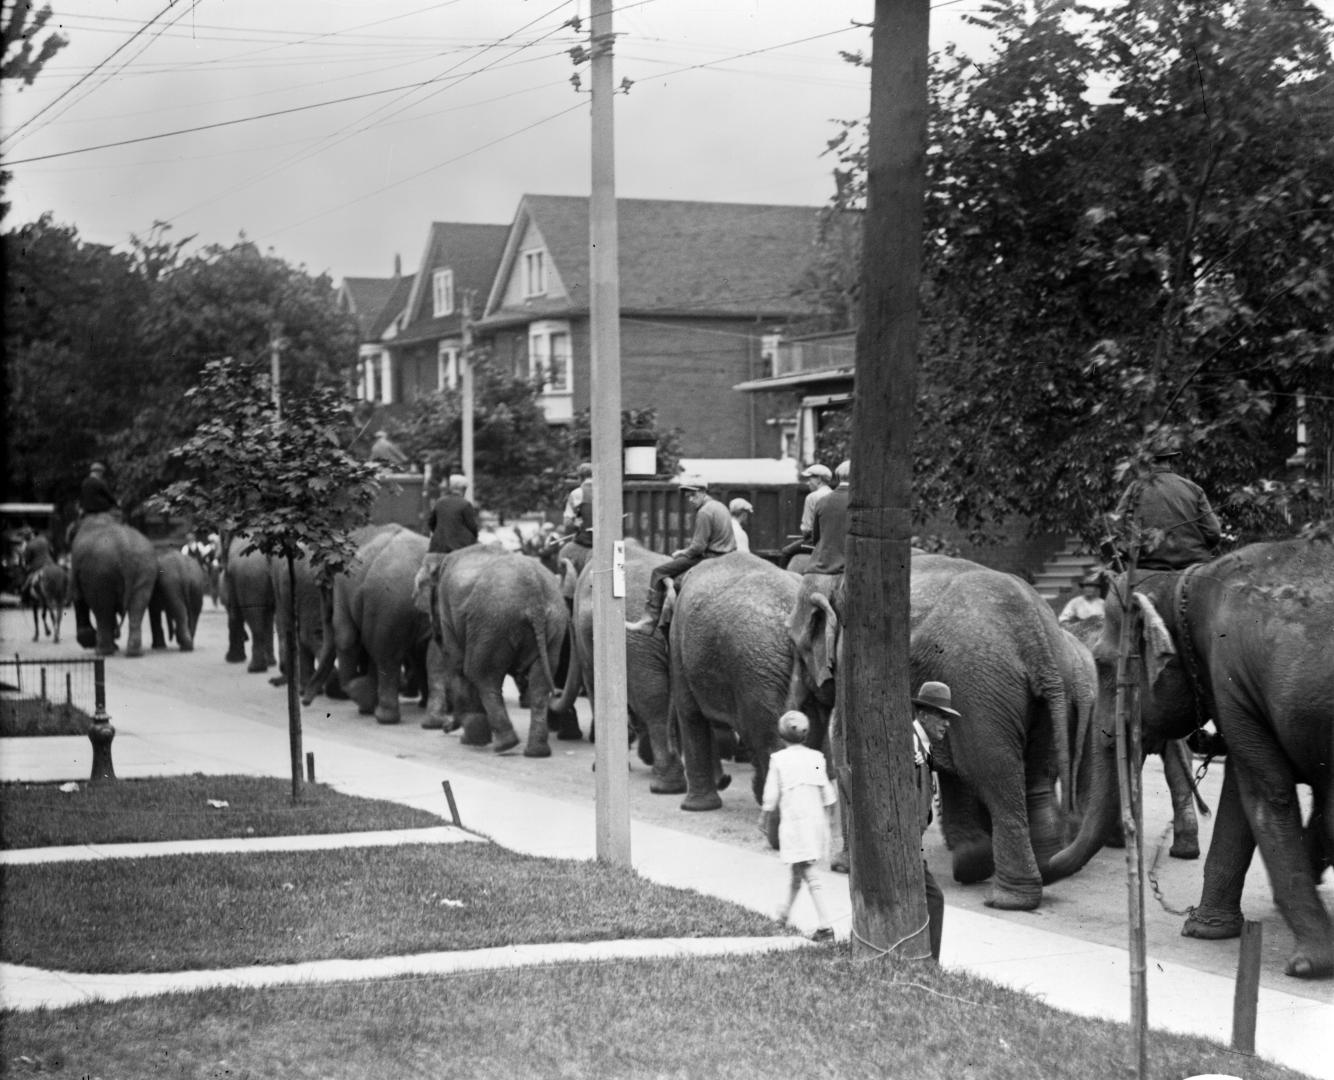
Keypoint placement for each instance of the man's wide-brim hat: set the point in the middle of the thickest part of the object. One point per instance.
(935, 695)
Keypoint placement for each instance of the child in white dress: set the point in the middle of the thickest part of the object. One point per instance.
(798, 787)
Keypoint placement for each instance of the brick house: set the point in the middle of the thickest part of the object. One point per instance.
(701, 285)
(412, 345)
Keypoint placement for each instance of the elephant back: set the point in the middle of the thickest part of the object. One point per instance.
(111, 551)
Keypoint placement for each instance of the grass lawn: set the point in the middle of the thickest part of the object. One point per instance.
(175, 913)
(25, 717)
(180, 808)
(813, 1013)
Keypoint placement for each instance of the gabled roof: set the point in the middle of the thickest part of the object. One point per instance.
(472, 252)
(393, 307)
(365, 298)
(676, 257)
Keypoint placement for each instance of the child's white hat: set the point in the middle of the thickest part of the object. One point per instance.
(793, 725)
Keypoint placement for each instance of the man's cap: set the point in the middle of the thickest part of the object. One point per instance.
(458, 480)
(97, 466)
(844, 470)
(934, 695)
(1165, 444)
(585, 469)
(737, 505)
(693, 483)
(1094, 579)
(382, 434)
(793, 725)
(819, 470)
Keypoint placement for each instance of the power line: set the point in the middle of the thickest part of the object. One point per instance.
(90, 73)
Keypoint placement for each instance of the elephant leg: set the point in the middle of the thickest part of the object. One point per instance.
(84, 633)
(1017, 883)
(498, 718)
(437, 693)
(236, 635)
(388, 671)
(966, 825)
(669, 776)
(107, 630)
(700, 753)
(1268, 790)
(1045, 825)
(1218, 914)
(539, 732)
(1185, 825)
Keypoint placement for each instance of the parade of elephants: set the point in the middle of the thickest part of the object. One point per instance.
(1237, 652)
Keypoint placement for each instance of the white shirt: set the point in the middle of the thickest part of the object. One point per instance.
(742, 540)
(798, 786)
(1080, 607)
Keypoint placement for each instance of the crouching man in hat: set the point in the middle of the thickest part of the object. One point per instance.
(932, 713)
(713, 536)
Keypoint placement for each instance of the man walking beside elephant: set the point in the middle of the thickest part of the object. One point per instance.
(712, 537)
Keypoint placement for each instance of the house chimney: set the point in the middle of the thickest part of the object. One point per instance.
(398, 265)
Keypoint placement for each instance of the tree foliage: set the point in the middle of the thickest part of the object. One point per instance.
(632, 420)
(520, 460)
(1130, 224)
(283, 479)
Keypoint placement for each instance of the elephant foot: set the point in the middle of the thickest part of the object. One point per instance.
(723, 781)
(840, 863)
(235, 657)
(476, 731)
(277, 680)
(1304, 965)
(433, 723)
(709, 801)
(1185, 846)
(668, 784)
(1212, 924)
(508, 742)
(567, 729)
(973, 862)
(541, 750)
(450, 725)
(159, 646)
(257, 667)
(387, 716)
(85, 637)
(1007, 899)
(186, 646)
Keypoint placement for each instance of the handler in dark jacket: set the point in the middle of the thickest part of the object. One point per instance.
(829, 530)
(95, 495)
(1178, 507)
(453, 520)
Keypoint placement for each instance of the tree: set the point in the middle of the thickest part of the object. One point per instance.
(521, 459)
(283, 480)
(633, 420)
(1130, 223)
(73, 368)
(222, 302)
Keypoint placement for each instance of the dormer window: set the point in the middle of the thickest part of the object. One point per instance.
(442, 292)
(534, 273)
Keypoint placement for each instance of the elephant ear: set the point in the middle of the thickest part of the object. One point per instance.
(425, 579)
(820, 635)
(1158, 647)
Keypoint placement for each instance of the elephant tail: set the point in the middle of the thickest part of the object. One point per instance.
(1050, 688)
(537, 619)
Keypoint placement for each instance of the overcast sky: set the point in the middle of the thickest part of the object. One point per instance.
(343, 186)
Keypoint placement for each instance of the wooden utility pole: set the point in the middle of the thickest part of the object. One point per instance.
(465, 364)
(608, 565)
(276, 365)
(888, 891)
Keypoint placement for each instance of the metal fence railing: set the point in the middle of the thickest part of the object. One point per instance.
(59, 684)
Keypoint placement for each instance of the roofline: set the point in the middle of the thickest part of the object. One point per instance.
(782, 382)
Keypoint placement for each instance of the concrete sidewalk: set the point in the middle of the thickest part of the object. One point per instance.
(1068, 973)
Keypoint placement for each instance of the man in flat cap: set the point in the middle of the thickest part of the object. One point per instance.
(712, 537)
(817, 479)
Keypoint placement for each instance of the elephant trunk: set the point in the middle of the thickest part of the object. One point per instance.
(1102, 809)
(563, 699)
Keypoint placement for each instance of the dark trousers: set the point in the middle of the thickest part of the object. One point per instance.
(657, 588)
(935, 910)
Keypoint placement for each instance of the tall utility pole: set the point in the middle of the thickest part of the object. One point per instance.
(465, 365)
(276, 365)
(608, 566)
(888, 892)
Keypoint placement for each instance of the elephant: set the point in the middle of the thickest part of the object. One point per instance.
(178, 594)
(1082, 686)
(314, 615)
(995, 642)
(494, 613)
(376, 631)
(247, 590)
(647, 676)
(1246, 640)
(112, 570)
(46, 591)
(730, 662)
